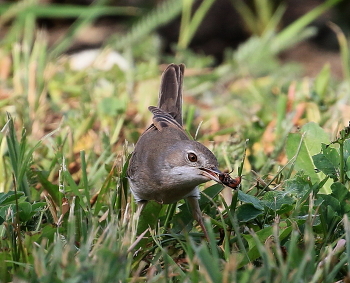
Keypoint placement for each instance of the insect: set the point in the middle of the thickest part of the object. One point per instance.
(227, 180)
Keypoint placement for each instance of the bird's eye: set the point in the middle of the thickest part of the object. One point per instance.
(192, 157)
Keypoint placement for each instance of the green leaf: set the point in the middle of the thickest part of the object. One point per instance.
(299, 185)
(38, 206)
(247, 212)
(285, 208)
(340, 192)
(328, 161)
(183, 218)
(348, 167)
(346, 149)
(275, 199)
(211, 192)
(332, 202)
(25, 209)
(149, 216)
(148, 219)
(333, 216)
(303, 146)
(250, 199)
(10, 197)
(346, 153)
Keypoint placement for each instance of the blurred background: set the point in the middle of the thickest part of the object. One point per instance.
(225, 24)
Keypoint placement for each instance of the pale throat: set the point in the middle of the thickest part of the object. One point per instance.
(183, 176)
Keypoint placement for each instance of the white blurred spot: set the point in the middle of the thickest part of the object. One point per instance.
(99, 59)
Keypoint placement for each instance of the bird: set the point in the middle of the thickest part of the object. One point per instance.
(166, 164)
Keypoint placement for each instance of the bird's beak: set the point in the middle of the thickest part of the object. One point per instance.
(212, 173)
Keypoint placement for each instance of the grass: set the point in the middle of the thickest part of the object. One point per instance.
(66, 213)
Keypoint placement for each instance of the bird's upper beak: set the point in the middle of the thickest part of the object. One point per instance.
(212, 173)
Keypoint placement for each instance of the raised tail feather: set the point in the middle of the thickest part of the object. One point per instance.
(170, 93)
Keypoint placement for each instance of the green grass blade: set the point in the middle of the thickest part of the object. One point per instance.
(64, 10)
(285, 37)
(344, 50)
(163, 13)
(189, 27)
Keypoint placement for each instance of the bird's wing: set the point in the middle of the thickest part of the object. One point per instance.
(162, 120)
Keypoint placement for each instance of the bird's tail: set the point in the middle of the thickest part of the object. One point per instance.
(170, 93)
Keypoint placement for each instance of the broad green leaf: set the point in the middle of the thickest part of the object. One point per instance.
(328, 161)
(10, 197)
(348, 167)
(285, 208)
(275, 199)
(38, 206)
(303, 146)
(331, 215)
(25, 210)
(346, 149)
(149, 216)
(331, 201)
(247, 212)
(299, 185)
(346, 152)
(183, 218)
(148, 219)
(342, 194)
(250, 199)
(211, 192)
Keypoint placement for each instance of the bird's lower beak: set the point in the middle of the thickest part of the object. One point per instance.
(212, 173)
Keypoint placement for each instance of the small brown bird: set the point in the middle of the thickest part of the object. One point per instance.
(166, 165)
